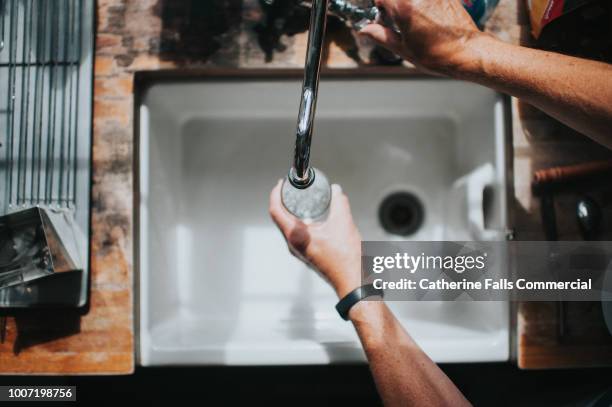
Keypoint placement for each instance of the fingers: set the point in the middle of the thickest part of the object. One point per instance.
(387, 7)
(337, 192)
(383, 4)
(288, 224)
(383, 36)
(339, 202)
(283, 219)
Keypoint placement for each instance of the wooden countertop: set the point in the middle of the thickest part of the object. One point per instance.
(150, 35)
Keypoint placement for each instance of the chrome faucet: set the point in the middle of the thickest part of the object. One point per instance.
(301, 175)
(306, 192)
(357, 16)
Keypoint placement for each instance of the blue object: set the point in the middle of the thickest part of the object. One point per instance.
(480, 10)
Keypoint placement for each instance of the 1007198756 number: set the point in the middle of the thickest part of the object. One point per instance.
(37, 393)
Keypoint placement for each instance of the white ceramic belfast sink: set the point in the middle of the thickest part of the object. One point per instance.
(216, 282)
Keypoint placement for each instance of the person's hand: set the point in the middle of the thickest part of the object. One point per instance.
(435, 35)
(332, 247)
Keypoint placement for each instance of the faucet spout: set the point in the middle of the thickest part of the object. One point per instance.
(301, 175)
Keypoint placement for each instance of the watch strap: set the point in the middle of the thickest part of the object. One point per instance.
(360, 293)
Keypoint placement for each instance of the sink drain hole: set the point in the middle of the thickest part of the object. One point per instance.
(401, 213)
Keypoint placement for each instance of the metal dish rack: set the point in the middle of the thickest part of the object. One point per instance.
(46, 49)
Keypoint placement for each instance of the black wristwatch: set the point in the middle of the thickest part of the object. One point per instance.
(360, 293)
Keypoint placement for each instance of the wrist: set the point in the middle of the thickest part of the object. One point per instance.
(364, 312)
(347, 279)
(344, 276)
(469, 62)
(347, 285)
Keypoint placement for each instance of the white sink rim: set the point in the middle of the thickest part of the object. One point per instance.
(308, 354)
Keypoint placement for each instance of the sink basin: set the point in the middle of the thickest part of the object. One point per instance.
(216, 282)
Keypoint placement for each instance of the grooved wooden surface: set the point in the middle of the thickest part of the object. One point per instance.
(541, 143)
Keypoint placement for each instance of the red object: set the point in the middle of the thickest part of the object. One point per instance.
(554, 10)
(542, 12)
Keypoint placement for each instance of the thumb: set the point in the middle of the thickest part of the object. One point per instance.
(283, 219)
(383, 36)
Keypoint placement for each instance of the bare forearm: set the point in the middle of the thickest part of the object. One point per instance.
(403, 373)
(577, 92)
(440, 37)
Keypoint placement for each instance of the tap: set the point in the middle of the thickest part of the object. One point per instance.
(357, 16)
(301, 174)
(306, 191)
(345, 10)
